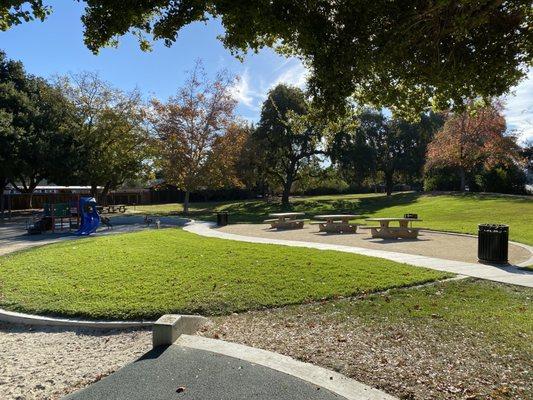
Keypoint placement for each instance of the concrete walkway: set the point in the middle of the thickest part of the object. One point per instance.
(504, 274)
(200, 368)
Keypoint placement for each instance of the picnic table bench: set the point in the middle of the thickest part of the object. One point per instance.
(336, 223)
(113, 208)
(286, 220)
(384, 231)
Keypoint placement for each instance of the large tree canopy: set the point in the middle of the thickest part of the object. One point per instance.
(289, 135)
(368, 144)
(110, 129)
(36, 130)
(407, 55)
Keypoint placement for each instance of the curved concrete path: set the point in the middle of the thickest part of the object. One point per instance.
(504, 274)
(200, 368)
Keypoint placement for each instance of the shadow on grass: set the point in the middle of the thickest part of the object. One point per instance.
(255, 211)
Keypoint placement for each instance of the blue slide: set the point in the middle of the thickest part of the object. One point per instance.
(90, 219)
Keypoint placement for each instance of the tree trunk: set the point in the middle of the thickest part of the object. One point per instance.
(27, 188)
(104, 193)
(186, 202)
(286, 192)
(388, 183)
(462, 175)
(3, 184)
(94, 190)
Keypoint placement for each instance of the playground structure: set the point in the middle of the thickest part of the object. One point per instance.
(90, 219)
(80, 214)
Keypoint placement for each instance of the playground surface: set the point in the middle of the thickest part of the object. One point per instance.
(199, 368)
(429, 243)
(202, 375)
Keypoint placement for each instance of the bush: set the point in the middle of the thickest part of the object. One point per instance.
(444, 179)
(500, 179)
(503, 180)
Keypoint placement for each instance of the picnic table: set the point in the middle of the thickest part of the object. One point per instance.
(113, 208)
(385, 231)
(336, 223)
(286, 220)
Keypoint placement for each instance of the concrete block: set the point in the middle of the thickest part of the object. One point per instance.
(170, 327)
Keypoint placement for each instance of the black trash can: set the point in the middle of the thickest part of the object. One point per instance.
(222, 218)
(493, 243)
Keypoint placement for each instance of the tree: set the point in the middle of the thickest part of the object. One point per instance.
(110, 129)
(252, 165)
(225, 155)
(472, 139)
(36, 130)
(7, 146)
(368, 143)
(188, 127)
(401, 54)
(289, 135)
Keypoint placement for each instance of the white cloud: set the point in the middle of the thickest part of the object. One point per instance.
(250, 91)
(292, 73)
(519, 109)
(241, 90)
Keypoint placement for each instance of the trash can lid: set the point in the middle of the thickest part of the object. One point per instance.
(493, 227)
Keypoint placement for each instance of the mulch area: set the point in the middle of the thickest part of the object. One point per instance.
(409, 360)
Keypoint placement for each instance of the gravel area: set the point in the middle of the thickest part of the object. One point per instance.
(431, 244)
(408, 359)
(48, 363)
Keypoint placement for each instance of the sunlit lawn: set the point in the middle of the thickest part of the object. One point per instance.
(149, 273)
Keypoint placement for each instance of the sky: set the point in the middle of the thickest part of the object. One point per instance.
(56, 47)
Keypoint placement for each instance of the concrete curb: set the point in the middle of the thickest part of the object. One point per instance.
(37, 320)
(168, 328)
(503, 274)
(332, 381)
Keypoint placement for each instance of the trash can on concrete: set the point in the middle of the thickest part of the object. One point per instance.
(222, 218)
(493, 243)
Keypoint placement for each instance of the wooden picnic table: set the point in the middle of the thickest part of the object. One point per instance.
(286, 220)
(336, 223)
(385, 231)
(113, 208)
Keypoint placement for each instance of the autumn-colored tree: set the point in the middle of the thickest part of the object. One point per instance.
(187, 129)
(472, 139)
(225, 156)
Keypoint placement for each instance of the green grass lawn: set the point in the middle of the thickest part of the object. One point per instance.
(451, 212)
(499, 312)
(149, 273)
